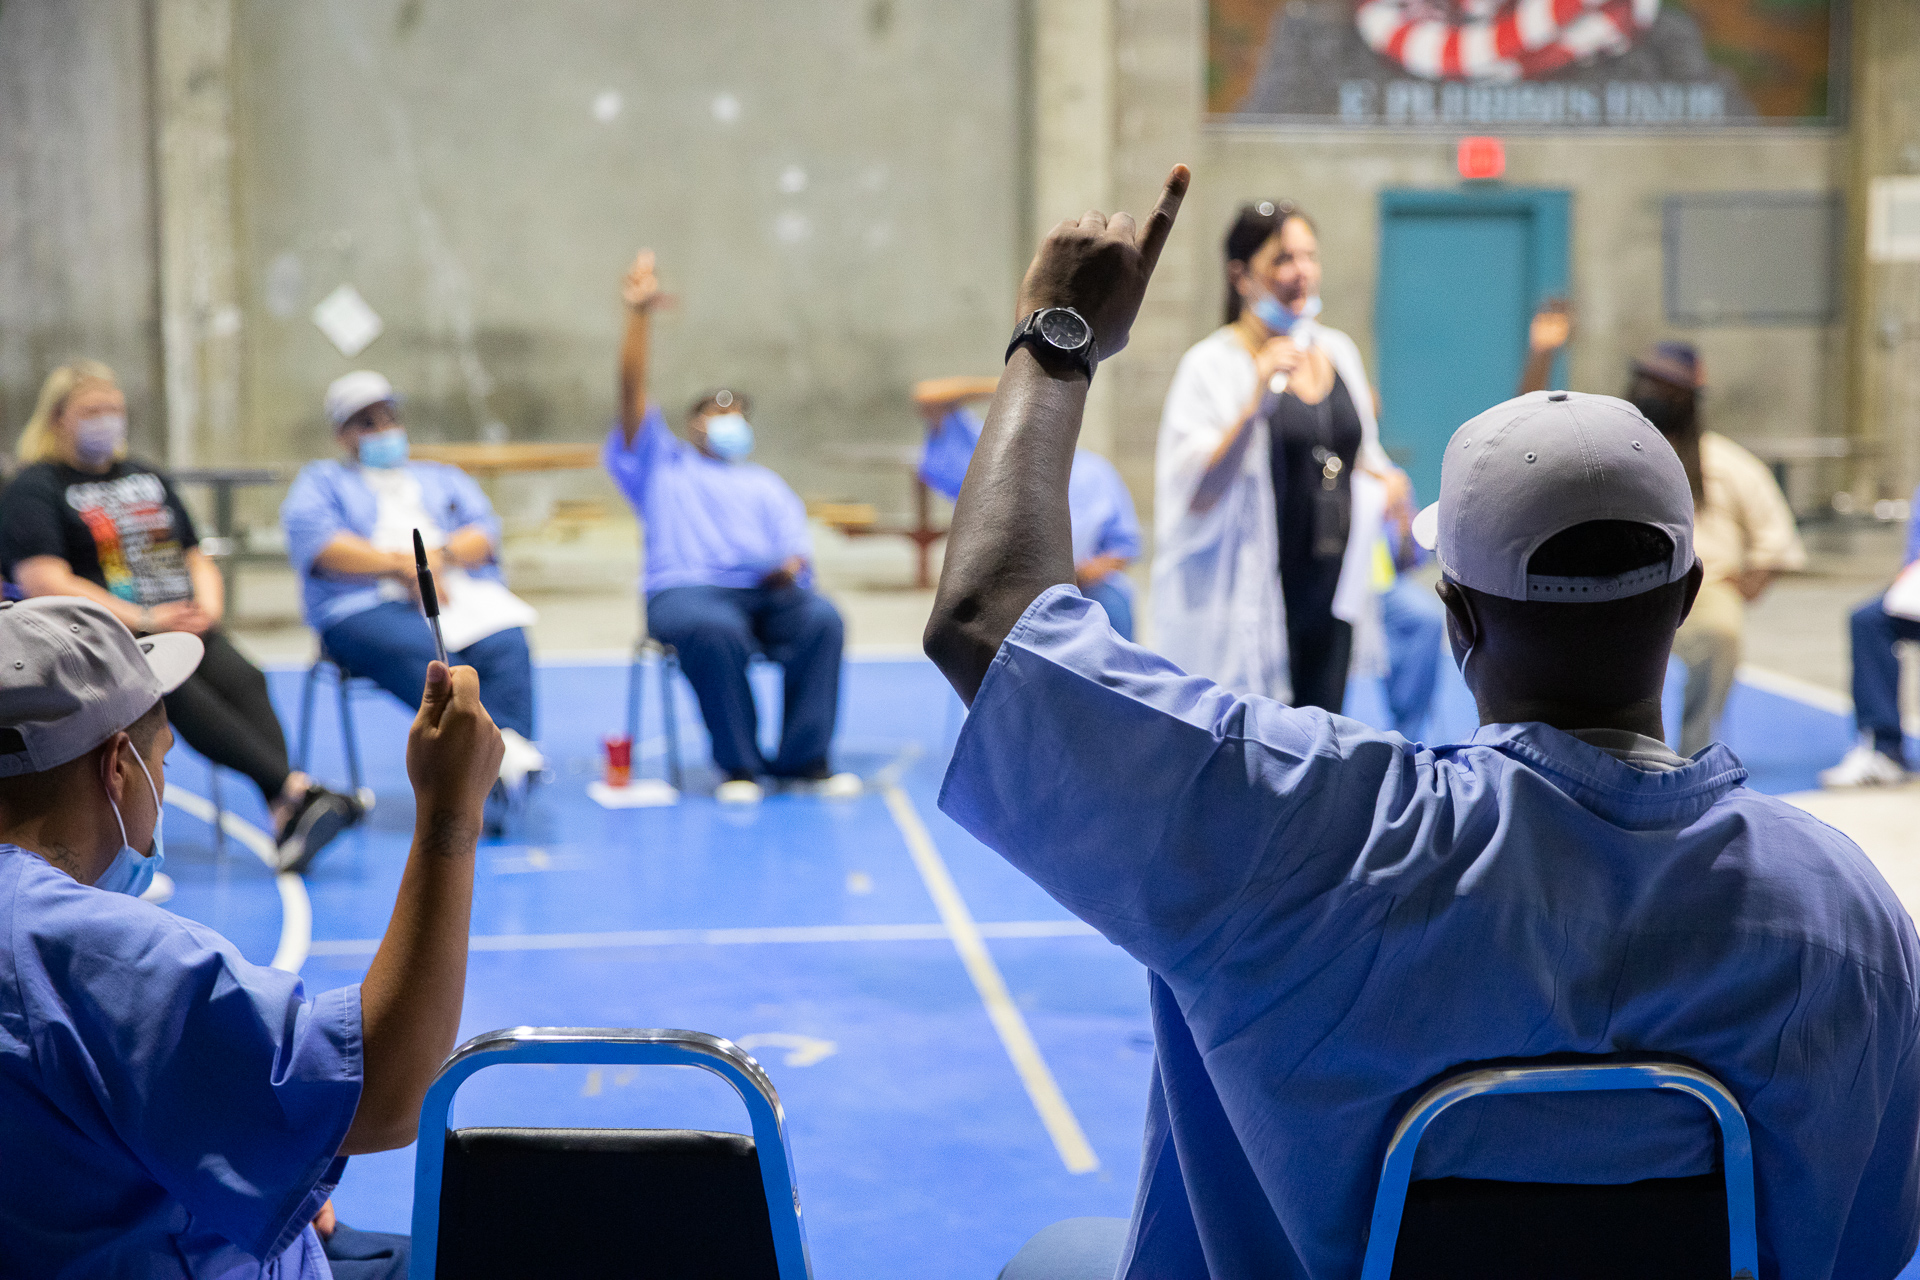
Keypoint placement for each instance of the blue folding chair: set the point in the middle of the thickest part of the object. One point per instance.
(601, 1202)
(667, 659)
(1736, 1144)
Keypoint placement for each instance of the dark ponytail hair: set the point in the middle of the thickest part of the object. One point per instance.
(1255, 225)
(1675, 410)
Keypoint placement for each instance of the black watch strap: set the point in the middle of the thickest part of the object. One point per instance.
(1030, 330)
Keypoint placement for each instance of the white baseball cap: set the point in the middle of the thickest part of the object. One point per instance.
(1540, 464)
(72, 676)
(352, 392)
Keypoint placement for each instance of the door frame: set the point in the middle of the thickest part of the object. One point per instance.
(1549, 237)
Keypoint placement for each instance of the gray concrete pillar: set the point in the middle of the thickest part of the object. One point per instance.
(200, 315)
(1159, 89)
(1884, 304)
(1073, 80)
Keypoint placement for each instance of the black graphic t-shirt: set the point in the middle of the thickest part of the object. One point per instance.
(125, 529)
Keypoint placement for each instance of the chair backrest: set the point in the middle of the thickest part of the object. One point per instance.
(1736, 1144)
(663, 1202)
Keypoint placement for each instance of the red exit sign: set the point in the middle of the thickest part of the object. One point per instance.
(1482, 158)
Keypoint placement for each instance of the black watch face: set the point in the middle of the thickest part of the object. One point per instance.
(1063, 329)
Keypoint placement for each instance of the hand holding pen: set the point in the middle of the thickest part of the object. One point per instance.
(429, 594)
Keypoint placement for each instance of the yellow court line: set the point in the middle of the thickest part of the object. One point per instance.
(1068, 1138)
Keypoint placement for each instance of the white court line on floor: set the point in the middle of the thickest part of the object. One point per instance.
(622, 657)
(728, 937)
(1803, 691)
(296, 909)
(968, 939)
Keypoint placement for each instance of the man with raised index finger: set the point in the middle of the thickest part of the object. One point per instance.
(1333, 917)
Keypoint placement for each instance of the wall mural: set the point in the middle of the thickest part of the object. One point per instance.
(1496, 63)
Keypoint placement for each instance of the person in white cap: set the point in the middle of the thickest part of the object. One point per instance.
(349, 524)
(170, 1109)
(1332, 917)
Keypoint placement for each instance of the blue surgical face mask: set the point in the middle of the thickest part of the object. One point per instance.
(99, 438)
(1282, 320)
(384, 449)
(130, 871)
(729, 435)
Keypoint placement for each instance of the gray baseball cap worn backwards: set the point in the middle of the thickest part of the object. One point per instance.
(1540, 464)
(72, 676)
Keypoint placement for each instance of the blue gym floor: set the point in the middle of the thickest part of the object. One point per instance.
(803, 929)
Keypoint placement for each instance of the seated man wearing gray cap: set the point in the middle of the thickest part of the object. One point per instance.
(1334, 917)
(171, 1110)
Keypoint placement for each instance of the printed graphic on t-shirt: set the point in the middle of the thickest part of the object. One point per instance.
(133, 532)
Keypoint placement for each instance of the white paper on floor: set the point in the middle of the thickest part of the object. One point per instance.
(641, 793)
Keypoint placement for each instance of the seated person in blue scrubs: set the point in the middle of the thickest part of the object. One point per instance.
(1413, 618)
(349, 525)
(171, 1110)
(728, 572)
(1880, 757)
(1332, 917)
(1106, 532)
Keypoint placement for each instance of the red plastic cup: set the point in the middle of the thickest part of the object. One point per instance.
(619, 761)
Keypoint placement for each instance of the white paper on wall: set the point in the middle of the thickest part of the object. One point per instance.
(349, 323)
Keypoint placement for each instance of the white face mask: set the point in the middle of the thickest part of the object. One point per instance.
(99, 437)
(131, 872)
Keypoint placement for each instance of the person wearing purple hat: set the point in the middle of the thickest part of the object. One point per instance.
(1333, 917)
(1744, 530)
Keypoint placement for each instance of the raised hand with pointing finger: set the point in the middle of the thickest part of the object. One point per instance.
(1011, 538)
(1099, 266)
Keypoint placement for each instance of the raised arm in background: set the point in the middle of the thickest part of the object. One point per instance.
(641, 292)
(410, 1000)
(1550, 330)
(1011, 537)
(937, 397)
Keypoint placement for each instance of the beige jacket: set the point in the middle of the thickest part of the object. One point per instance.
(1744, 522)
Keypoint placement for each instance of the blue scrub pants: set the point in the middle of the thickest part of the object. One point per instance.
(367, 1255)
(1117, 603)
(717, 629)
(1415, 621)
(1076, 1249)
(1876, 674)
(391, 645)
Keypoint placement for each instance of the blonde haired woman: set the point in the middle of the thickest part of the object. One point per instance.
(81, 519)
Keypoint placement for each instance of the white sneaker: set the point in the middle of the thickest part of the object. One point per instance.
(160, 890)
(519, 759)
(841, 786)
(739, 791)
(1864, 767)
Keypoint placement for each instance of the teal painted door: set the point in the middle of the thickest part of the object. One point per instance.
(1460, 275)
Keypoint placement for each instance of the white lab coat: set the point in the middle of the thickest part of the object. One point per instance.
(1217, 607)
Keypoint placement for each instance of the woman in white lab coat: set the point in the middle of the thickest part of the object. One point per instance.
(1267, 482)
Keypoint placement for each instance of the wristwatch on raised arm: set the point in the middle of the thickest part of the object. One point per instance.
(1058, 333)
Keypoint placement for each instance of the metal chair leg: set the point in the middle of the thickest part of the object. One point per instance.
(219, 809)
(301, 757)
(348, 737)
(634, 673)
(670, 712)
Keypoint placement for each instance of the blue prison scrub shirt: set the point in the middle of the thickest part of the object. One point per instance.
(709, 523)
(1099, 504)
(168, 1109)
(1334, 917)
(330, 497)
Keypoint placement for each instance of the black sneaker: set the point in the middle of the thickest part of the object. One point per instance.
(320, 816)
